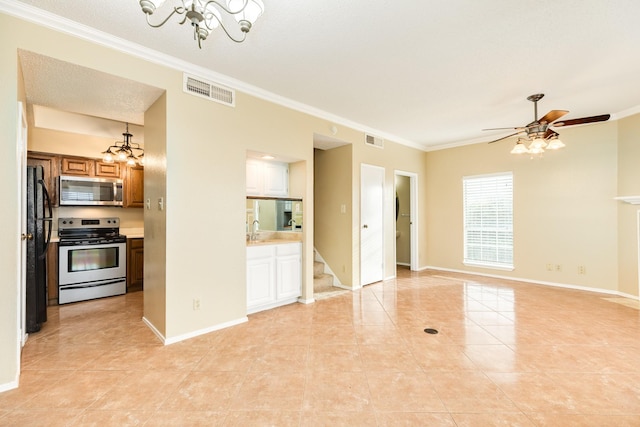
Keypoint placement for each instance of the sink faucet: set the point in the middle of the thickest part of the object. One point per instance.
(292, 223)
(254, 229)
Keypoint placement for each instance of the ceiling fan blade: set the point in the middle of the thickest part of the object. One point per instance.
(504, 137)
(592, 119)
(552, 116)
(519, 128)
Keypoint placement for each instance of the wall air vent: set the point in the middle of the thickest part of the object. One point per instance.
(208, 90)
(374, 141)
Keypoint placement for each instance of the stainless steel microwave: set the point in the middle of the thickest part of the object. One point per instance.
(90, 191)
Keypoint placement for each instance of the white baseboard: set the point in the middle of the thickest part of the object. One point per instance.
(9, 386)
(173, 340)
(306, 301)
(537, 282)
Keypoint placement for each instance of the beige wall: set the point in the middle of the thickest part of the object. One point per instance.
(628, 185)
(564, 212)
(10, 93)
(155, 224)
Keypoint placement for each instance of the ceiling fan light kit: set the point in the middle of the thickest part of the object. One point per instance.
(539, 134)
(206, 16)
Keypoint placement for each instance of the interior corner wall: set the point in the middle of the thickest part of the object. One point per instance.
(565, 214)
(155, 224)
(628, 185)
(333, 189)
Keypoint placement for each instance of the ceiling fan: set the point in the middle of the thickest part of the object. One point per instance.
(539, 131)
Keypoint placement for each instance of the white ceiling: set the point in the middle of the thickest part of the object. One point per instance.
(427, 73)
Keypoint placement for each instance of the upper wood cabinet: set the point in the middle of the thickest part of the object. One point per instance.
(267, 178)
(49, 164)
(107, 170)
(134, 187)
(82, 166)
(76, 166)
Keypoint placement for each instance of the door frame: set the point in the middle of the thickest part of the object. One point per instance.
(382, 236)
(638, 247)
(413, 219)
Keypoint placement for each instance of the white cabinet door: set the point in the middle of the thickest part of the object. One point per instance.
(261, 272)
(276, 179)
(288, 277)
(288, 271)
(254, 178)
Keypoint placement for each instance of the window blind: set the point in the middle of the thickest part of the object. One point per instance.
(488, 220)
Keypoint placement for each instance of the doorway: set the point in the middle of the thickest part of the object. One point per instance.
(371, 224)
(406, 223)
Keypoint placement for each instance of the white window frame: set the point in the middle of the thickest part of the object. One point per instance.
(488, 245)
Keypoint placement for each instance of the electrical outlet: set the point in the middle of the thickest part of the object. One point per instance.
(549, 267)
(558, 267)
(582, 269)
(196, 304)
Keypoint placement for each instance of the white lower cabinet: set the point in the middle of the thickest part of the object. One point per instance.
(274, 275)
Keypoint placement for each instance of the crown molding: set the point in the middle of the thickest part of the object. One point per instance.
(67, 26)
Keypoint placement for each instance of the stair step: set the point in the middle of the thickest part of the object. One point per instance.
(318, 268)
(322, 282)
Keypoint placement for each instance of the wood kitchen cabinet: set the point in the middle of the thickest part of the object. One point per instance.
(134, 187)
(135, 264)
(50, 165)
(52, 274)
(107, 170)
(82, 166)
(79, 166)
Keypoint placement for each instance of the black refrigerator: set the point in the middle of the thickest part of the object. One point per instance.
(39, 222)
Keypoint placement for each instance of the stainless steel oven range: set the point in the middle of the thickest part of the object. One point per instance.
(92, 261)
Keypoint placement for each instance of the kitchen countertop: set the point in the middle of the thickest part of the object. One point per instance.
(275, 238)
(270, 242)
(133, 233)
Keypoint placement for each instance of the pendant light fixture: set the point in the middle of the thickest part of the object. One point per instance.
(124, 151)
(207, 15)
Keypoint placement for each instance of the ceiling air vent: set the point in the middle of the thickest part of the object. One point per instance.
(211, 91)
(374, 141)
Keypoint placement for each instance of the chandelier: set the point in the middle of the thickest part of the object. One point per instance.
(206, 15)
(124, 151)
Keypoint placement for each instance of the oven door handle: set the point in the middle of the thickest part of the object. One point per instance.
(90, 285)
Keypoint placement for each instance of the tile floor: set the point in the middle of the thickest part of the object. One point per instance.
(507, 353)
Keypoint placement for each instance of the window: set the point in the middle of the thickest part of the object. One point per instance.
(488, 220)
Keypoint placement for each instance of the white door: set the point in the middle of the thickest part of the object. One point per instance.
(371, 224)
(22, 214)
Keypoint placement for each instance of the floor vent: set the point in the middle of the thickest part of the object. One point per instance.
(211, 91)
(374, 141)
